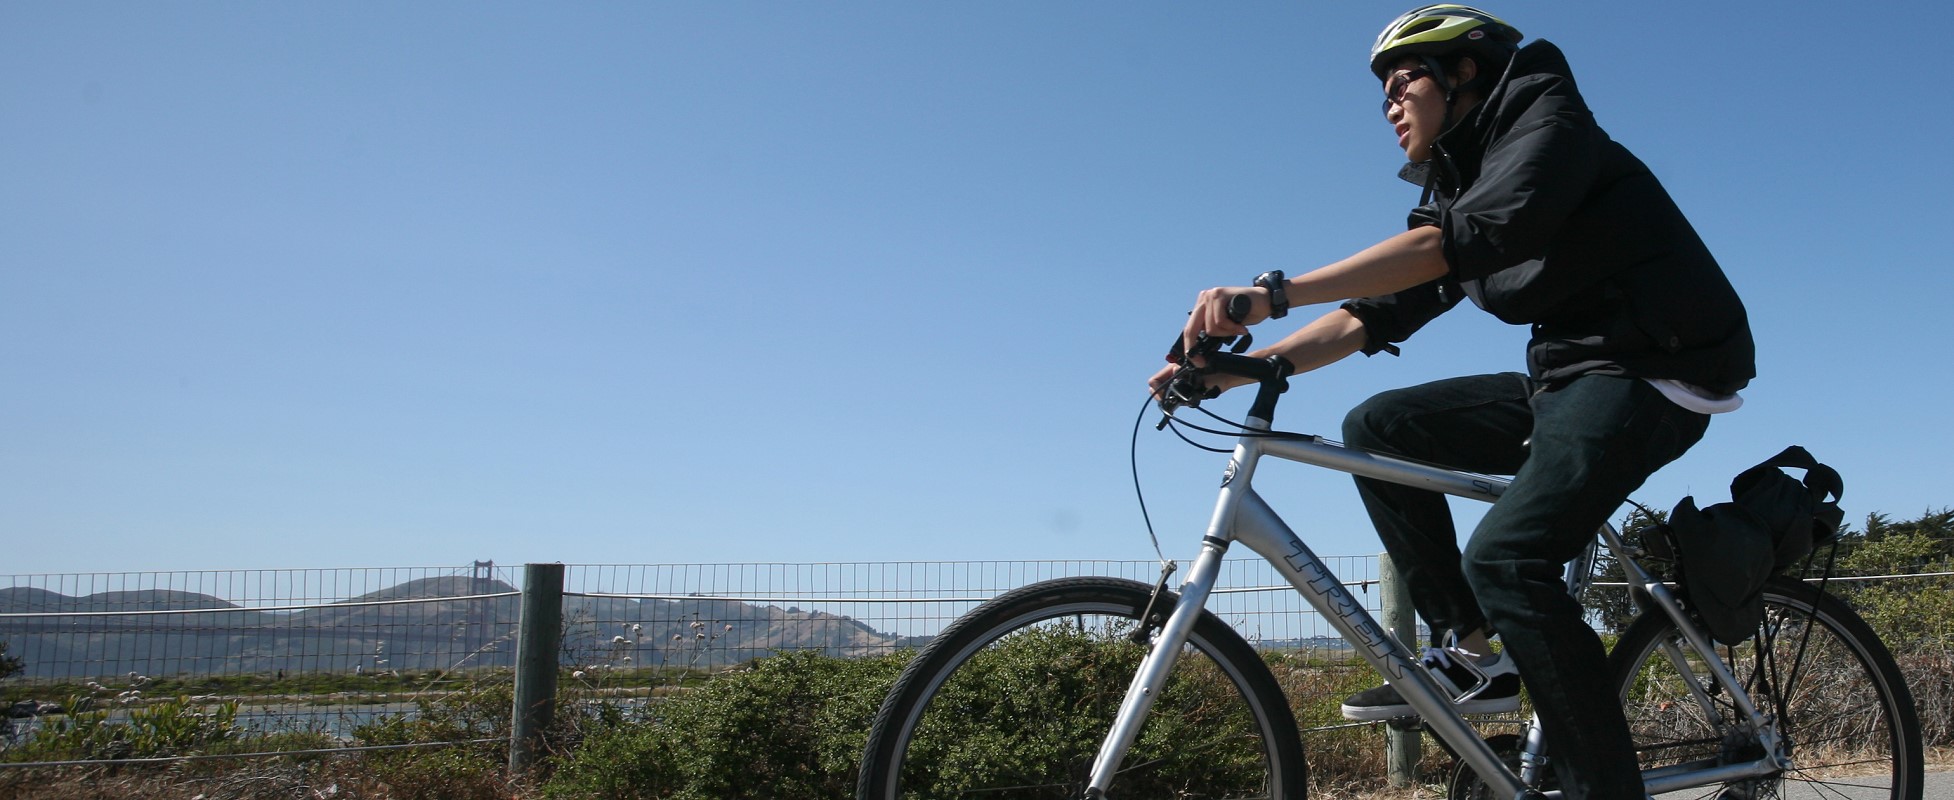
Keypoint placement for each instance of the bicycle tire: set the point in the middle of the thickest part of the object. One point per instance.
(1845, 714)
(1055, 653)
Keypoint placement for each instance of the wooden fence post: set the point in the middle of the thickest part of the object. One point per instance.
(539, 637)
(1401, 746)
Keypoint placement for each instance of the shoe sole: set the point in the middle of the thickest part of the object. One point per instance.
(1375, 713)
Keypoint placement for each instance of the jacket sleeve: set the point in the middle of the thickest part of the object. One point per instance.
(1530, 179)
(1392, 318)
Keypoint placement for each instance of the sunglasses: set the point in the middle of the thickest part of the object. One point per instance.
(1394, 91)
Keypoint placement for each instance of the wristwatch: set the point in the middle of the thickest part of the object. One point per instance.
(1278, 292)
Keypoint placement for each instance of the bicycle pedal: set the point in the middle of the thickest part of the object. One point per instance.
(1409, 722)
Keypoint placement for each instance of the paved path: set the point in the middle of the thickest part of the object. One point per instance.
(1938, 786)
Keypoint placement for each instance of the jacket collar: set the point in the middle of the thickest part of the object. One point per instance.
(1520, 85)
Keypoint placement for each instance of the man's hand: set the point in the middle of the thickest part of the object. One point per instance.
(1210, 313)
(1158, 383)
(1217, 381)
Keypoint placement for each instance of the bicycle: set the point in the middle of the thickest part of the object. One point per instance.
(1812, 705)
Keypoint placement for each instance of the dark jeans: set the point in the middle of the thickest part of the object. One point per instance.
(1575, 452)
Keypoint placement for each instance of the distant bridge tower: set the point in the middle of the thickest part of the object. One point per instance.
(481, 616)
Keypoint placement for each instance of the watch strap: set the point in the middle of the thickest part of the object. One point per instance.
(1278, 287)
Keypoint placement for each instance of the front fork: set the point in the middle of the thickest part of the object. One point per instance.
(1152, 676)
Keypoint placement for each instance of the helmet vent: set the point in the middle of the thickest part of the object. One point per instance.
(1420, 27)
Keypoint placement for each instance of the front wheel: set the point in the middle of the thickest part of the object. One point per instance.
(1013, 700)
(1842, 708)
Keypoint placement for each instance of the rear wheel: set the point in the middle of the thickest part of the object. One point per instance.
(1843, 710)
(1013, 700)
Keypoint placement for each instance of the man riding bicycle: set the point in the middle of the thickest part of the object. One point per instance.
(1532, 212)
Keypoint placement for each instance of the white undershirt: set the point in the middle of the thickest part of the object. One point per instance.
(1696, 398)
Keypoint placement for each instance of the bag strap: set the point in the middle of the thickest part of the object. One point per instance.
(1820, 480)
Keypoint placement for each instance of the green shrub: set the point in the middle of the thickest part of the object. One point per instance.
(459, 772)
(795, 725)
(170, 728)
(789, 726)
(1910, 614)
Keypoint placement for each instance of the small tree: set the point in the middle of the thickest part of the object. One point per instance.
(9, 665)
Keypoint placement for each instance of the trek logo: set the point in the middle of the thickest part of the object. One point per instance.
(1228, 475)
(1368, 634)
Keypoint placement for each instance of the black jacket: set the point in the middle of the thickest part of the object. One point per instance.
(1549, 223)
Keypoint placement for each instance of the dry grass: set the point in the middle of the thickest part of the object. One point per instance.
(344, 778)
(349, 777)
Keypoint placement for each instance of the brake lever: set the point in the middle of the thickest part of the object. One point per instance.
(1174, 396)
(1238, 308)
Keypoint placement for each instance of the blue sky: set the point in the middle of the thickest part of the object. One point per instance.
(347, 284)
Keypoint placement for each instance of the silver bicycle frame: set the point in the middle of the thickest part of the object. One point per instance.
(1241, 515)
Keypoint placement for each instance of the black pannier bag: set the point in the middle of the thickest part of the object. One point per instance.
(1771, 524)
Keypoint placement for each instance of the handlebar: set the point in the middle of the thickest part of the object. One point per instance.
(1186, 389)
(1238, 308)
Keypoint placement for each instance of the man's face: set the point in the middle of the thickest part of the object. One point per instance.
(1414, 104)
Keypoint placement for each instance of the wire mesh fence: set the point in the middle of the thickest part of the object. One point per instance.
(301, 650)
(713, 615)
(327, 650)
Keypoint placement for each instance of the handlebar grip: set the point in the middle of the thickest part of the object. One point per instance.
(1238, 308)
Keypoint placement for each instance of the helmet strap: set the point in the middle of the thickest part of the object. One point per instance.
(1451, 96)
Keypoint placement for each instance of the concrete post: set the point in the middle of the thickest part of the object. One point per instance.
(539, 637)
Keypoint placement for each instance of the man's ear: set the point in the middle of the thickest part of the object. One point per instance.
(1465, 71)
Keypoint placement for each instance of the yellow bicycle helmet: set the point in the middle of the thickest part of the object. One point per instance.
(1443, 29)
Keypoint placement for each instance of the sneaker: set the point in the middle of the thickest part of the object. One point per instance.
(1475, 688)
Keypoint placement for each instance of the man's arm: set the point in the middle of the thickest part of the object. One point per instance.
(1324, 341)
(1393, 265)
